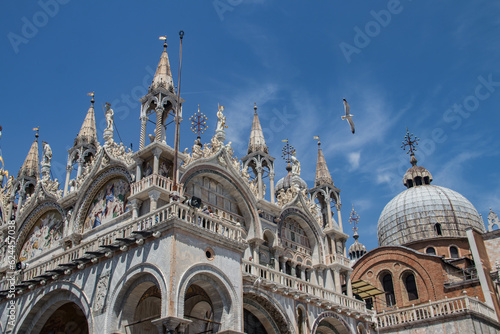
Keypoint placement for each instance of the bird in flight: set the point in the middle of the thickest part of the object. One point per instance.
(348, 116)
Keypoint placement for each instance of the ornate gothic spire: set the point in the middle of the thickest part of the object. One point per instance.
(88, 132)
(163, 75)
(322, 174)
(257, 141)
(30, 165)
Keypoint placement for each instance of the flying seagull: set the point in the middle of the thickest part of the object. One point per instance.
(348, 116)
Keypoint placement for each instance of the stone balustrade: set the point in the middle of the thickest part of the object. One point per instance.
(436, 309)
(338, 258)
(298, 288)
(173, 210)
(157, 180)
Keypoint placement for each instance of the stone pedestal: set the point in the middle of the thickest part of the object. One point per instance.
(108, 136)
(220, 135)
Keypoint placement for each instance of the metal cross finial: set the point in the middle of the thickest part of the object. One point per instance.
(198, 122)
(354, 220)
(411, 143)
(288, 150)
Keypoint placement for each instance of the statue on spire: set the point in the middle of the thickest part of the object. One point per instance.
(221, 119)
(108, 132)
(220, 134)
(47, 153)
(109, 116)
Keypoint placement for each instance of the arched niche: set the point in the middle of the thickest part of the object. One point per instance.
(68, 318)
(299, 237)
(45, 234)
(108, 203)
(330, 323)
(263, 314)
(205, 289)
(222, 191)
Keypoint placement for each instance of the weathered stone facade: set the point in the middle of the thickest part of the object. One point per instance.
(135, 244)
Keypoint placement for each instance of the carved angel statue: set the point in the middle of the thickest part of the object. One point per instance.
(197, 152)
(109, 116)
(295, 165)
(47, 153)
(221, 120)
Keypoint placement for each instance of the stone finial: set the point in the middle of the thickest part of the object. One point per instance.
(257, 142)
(323, 176)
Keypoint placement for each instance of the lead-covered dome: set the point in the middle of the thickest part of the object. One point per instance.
(426, 212)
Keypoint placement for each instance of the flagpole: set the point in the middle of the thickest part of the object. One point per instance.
(177, 117)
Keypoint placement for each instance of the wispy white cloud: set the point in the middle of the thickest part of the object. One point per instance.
(354, 159)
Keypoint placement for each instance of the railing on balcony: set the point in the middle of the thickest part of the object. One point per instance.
(296, 285)
(160, 181)
(433, 310)
(338, 258)
(172, 210)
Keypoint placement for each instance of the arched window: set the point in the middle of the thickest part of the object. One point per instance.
(388, 287)
(430, 251)
(411, 286)
(454, 252)
(437, 227)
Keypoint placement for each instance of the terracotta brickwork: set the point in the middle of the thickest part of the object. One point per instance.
(431, 276)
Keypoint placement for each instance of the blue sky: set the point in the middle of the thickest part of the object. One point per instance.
(429, 66)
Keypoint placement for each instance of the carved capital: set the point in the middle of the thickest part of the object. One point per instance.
(157, 152)
(135, 203)
(154, 195)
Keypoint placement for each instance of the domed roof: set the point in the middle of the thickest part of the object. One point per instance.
(357, 249)
(426, 211)
(291, 179)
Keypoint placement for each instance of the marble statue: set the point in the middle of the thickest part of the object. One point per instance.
(221, 119)
(47, 153)
(295, 165)
(109, 116)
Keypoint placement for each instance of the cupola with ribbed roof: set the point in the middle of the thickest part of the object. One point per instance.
(357, 249)
(424, 211)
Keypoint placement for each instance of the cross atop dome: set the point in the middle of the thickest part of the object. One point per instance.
(411, 143)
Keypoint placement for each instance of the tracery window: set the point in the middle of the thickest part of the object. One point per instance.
(294, 237)
(213, 194)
